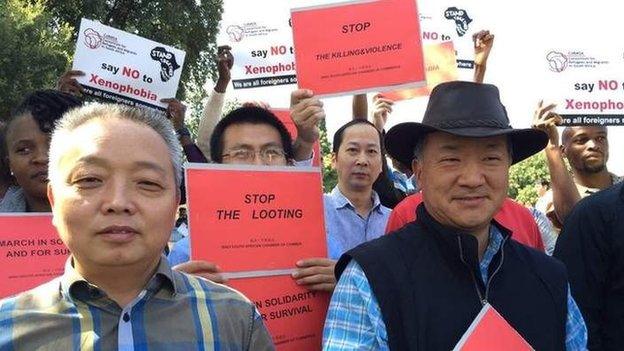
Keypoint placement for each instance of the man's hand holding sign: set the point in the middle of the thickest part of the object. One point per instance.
(316, 274)
(306, 111)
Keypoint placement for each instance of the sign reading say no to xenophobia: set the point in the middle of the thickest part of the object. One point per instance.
(125, 68)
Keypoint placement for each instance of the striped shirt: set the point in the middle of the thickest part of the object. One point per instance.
(354, 320)
(547, 231)
(175, 311)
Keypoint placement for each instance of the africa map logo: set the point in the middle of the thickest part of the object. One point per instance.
(235, 33)
(168, 63)
(92, 38)
(557, 61)
(460, 17)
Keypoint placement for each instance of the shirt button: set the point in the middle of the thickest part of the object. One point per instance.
(126, 317)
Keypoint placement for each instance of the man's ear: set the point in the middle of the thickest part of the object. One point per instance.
(333, 160)
(417, 170)
(50, 194)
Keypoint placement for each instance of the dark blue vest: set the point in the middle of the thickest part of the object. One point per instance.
(426, 280)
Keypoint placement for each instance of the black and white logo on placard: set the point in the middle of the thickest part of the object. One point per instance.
(557, 61)
(461, 19)
(168, 64)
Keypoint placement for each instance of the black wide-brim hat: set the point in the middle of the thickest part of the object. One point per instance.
(464, 109)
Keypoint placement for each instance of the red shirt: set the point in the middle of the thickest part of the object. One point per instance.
(511, 215)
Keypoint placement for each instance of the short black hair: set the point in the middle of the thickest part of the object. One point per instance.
(568, 131)
(340, 132)
(248, 115)
(46, 107)
(5, 174)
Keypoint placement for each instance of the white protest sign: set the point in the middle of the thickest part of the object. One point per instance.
(261, 45)
(125, 68)
(456, 21)
(586, 84)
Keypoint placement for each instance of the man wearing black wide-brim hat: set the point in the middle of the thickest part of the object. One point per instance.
(421, 287)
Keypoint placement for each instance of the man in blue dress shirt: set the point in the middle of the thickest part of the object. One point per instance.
(353, 213)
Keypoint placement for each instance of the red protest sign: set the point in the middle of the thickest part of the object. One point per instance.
(284, 117)
(31, 252)
(293, 315)
(250, 218)
(358, 46)
(256, 222)
(490, 331)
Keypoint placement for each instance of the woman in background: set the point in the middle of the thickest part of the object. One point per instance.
(26, 140)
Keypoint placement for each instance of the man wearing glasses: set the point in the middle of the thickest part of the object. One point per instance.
(253, 135)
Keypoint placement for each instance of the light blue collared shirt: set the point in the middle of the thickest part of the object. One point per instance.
(345, 228)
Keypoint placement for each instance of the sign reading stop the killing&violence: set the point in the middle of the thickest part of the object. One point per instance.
(358, 46)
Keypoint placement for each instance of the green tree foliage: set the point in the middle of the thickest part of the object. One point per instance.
(35, 50)
(39, 36)
(187, 24)
(524, 175)
(330, 177)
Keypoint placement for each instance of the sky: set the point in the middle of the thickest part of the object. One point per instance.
(524, 33)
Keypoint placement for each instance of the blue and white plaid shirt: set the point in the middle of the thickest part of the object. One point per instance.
(175, 311)
(354, 320)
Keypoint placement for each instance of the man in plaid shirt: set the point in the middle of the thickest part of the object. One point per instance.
(114, 177)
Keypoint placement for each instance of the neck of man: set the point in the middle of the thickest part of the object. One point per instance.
(122, 284)
(483, 240)
(482, 234)
(599, 180)
(36, 204)
(361, 199)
